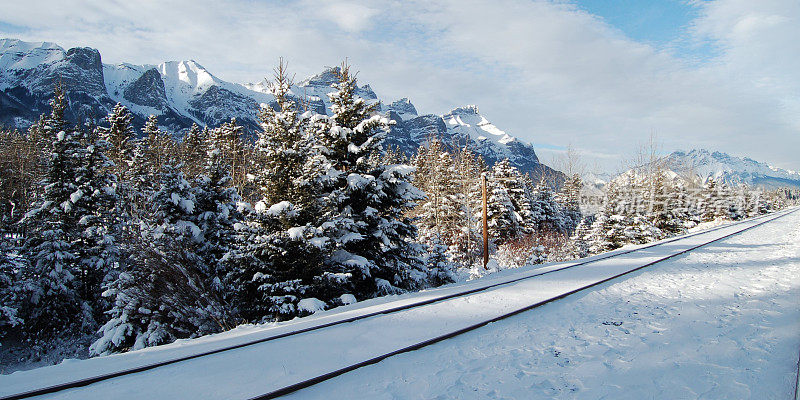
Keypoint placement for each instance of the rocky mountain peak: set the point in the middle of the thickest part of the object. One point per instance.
(324, 79)
(85, 58)
(465, 110)
(18, 55)
(403, 108)
(181, 93)
(147, 91)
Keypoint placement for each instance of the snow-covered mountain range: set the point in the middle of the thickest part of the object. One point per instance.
(181, 93)
(702, 164)
(732, 170)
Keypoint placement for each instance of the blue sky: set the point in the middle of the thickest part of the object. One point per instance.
(601, 76)
(664, 24)
(652, 21)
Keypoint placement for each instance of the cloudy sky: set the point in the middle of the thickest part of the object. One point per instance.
(601, 76)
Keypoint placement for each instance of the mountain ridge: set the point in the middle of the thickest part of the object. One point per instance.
(182, 93)
(730, 169)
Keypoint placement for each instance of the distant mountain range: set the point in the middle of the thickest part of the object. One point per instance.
(182, 93)
(730, 169)
(702, 165)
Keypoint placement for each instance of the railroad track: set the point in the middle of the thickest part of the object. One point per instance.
(417, 304)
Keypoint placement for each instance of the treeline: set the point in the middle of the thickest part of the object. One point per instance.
(531, 223)
(114, 240)
(643, 205)
(128, 241)
(450, 217)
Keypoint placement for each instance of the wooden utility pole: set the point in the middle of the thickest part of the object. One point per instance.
(485, 227)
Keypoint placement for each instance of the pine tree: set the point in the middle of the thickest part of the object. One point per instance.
(607, 231)
(736, 203)
(569, 200)
(276, 260)
(714, 203)
(579, 241)
(53, 303)
(217, 216)
(514, 184)
(161, 149)
(9, 287)
(193, 151)
(437, 216)
(95, 236)
(365, 201)
(546, 212)
(669, 213)
(150, 154)
(467, 246)
(437, 261)
(503, 220)
(69, 243)
(118, 136)
(229, 140)
(165, 294)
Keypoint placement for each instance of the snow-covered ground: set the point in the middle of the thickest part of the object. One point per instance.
(722, 322)
(567, 349)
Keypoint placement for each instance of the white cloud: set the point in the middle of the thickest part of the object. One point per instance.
(351, 17)
(547, 72)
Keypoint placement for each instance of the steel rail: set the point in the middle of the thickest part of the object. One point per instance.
(99, 378)
(330, 375)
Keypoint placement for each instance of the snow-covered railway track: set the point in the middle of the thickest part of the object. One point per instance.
(293, 380)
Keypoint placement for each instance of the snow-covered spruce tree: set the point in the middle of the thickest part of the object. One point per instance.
(659, 210)
(365, 201)
(669, 213)
(437, 260)
(752, 202)
(634, 209)
(514, 184)
(118, 136)
(578, 245)
(9, 287)
(95, 236)
(217, 216)
(229, 140)
(161, 149)
(276, 262)
(150, 154)
(569, 199)
(437, 215)
(545, 210)
(503, 219)
(53, 302)
(165, 294)
(607, 231)
(736, 202)
(714, 205)
(193, 151)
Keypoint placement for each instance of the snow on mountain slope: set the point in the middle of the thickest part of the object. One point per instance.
(186, 87)
(18, 55)
(403, 108)
(313, 91)
(30, 71)
(733, 170)
(467, 120)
